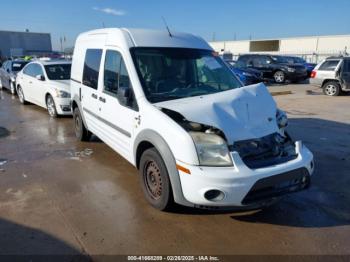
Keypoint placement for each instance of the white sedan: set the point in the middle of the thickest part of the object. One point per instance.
(46, 84)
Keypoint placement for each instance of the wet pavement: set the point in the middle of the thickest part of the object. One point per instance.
(59, 196)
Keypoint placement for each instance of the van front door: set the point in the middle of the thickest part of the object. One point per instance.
(345, 74)
(118, 114)
(89, 92)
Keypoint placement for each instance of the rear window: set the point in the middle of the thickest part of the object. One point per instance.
(92, 67)
(17, 66)
(329, 65)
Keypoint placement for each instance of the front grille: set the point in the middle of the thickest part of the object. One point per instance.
(278, 185)
(270, 150)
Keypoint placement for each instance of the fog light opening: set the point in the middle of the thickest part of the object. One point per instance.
(214, 195)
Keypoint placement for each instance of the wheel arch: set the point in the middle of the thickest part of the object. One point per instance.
(327, 80)
(149, 138)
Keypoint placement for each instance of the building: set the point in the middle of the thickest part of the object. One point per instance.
(13, 44)
(313, 48)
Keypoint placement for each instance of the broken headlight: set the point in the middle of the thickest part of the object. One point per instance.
(281, 118)
(212, 150)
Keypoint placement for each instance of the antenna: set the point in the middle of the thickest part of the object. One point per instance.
(167, 27)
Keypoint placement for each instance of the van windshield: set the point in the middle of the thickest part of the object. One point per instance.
(173, 73)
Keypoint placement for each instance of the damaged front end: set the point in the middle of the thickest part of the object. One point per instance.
(214, 150)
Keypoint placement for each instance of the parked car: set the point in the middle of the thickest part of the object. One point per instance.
(8, 73)
(170, 106)
(273, 67)
(248, 76)
(332, 75)
(46, 84)
(301, 61)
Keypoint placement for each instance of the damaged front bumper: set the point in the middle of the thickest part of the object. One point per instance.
(241, 186)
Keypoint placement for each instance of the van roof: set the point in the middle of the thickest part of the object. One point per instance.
(149, 38)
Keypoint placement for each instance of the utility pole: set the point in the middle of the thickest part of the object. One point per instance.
(235, 36)
(214, 36)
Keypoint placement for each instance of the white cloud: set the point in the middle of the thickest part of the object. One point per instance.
(110, 11)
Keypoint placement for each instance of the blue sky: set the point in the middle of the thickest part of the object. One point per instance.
(227, 18)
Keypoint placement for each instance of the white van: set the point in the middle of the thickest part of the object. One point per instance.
(170, 106)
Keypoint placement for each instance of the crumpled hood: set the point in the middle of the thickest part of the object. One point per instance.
(63, 85)
(242, 113)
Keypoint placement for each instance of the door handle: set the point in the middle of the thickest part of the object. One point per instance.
(103, 100)
(94, 96)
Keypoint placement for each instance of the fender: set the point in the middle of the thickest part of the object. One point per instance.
(168, 158)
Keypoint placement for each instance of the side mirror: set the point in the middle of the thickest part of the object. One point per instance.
(40, 77)
(123, 94)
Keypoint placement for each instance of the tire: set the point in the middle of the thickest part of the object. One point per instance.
(331, 88)
(21, 95)
(155, 181)
(81, 132)
(279, 77)
(13, 88)
(51, 106)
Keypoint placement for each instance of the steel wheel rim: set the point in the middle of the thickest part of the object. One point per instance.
(20, 95)
(51, 106)
(279, 77)
(153, 180)
(331, 90)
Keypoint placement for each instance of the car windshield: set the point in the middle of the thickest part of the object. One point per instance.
(58, 71)
(18, 65)
(280, 59)
(173, 73)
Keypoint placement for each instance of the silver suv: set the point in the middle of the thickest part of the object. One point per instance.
(332, 75)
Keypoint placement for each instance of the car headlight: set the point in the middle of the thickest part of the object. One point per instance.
(62, 94)
(290, 69)
(212, 150)
(281, 118)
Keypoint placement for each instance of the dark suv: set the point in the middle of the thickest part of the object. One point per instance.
(274, 67)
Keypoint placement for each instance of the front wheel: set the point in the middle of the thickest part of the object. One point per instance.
(81, 132)
(279, 77)
(155, 180)
(51, 107)
(331, 88)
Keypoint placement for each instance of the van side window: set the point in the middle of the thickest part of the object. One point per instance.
(116, 76)
(92, 67)
(111, 72)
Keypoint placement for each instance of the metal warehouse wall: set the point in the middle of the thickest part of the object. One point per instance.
(25, 42)
(313, 49)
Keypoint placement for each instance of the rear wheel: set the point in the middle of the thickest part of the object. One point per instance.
(155, 180)
(331, 88)
(81, 132)
(21, 95)
(51, 107)
(279, 77)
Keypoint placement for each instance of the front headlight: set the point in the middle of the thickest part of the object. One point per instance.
(62, 94)
(290, 69)
(212, 150)
(281, 118)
